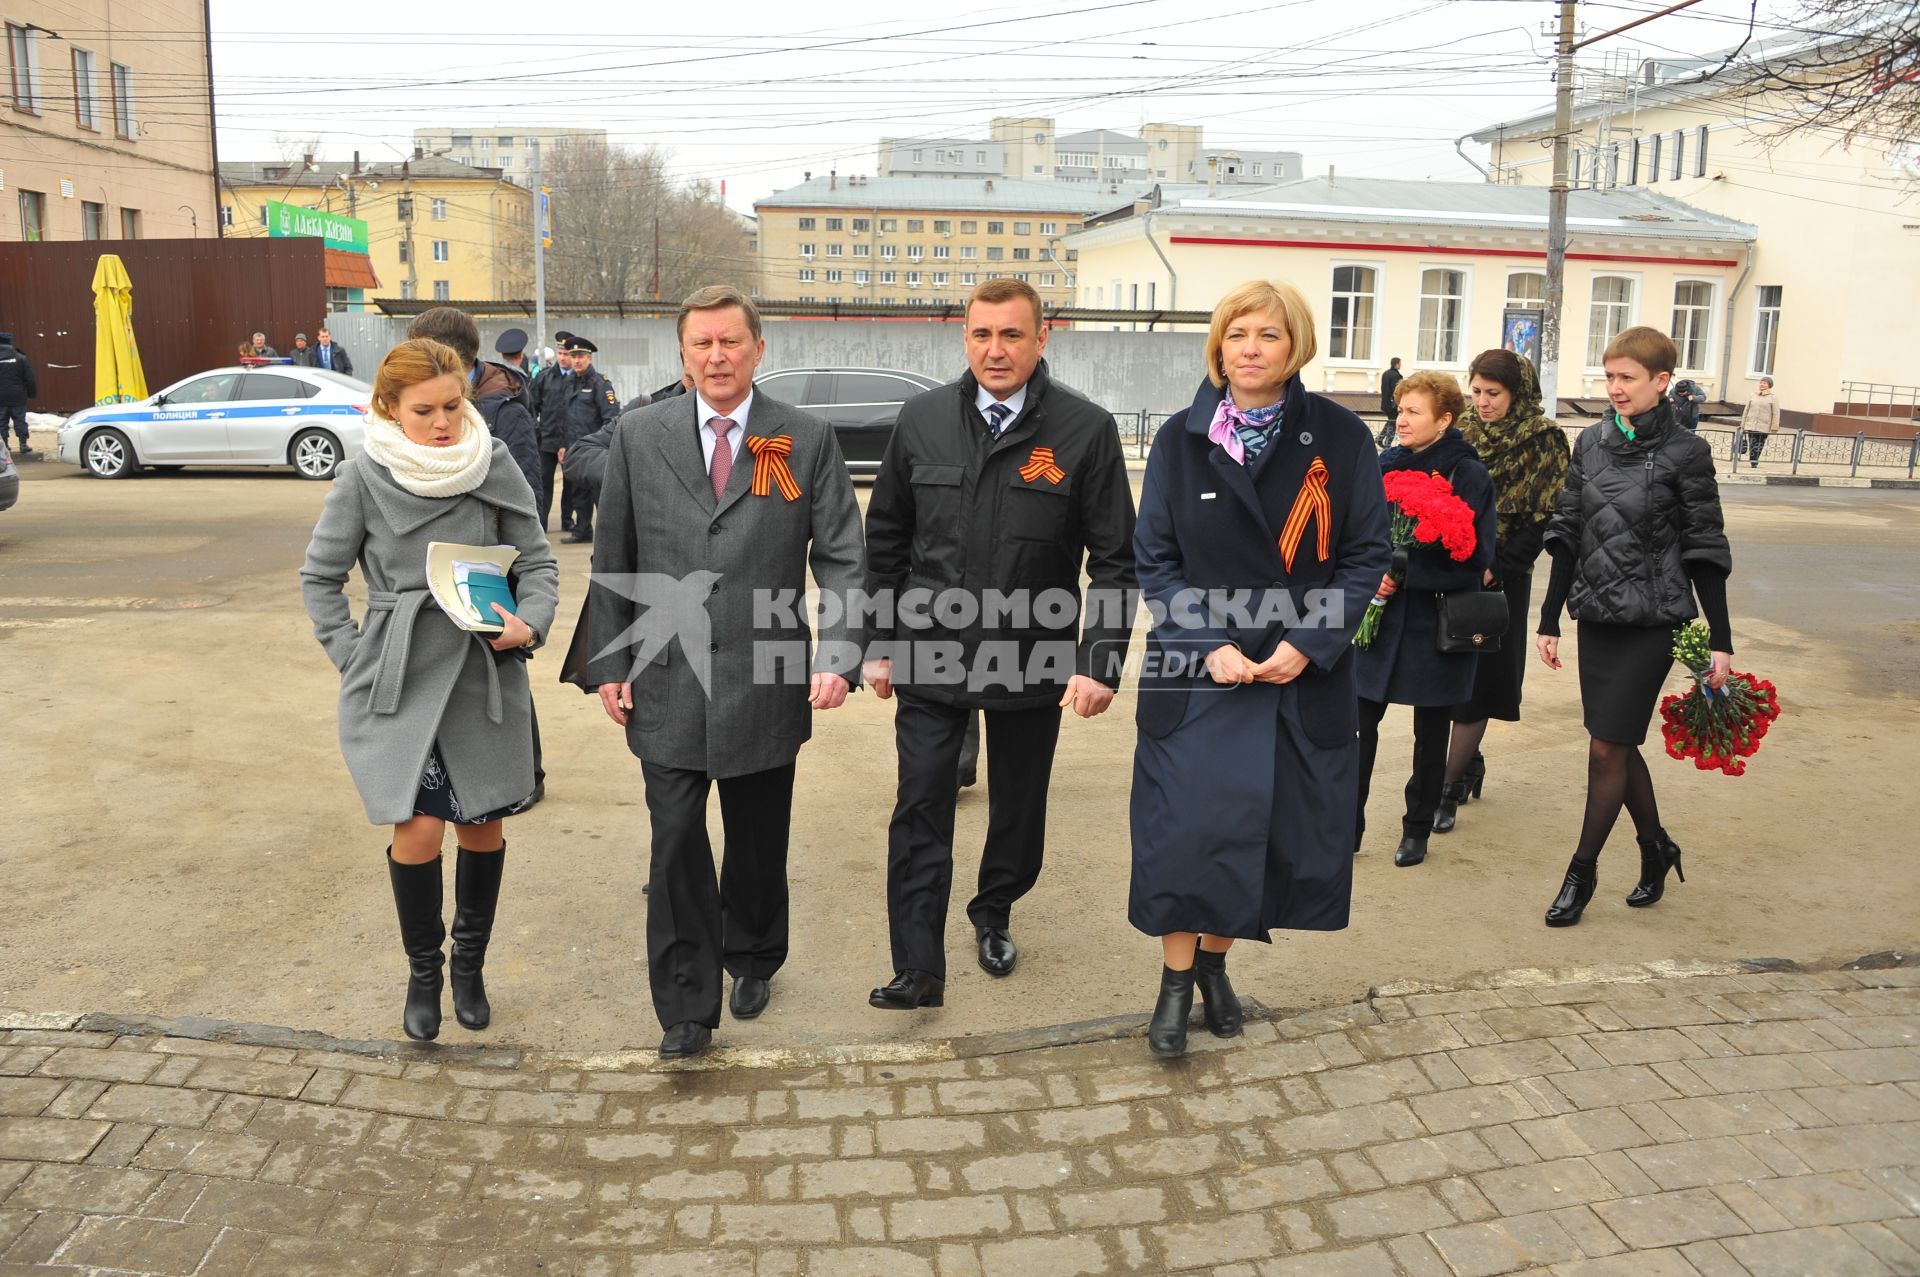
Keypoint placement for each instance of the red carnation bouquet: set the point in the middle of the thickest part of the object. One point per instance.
(1715, 729)
(1425, 511)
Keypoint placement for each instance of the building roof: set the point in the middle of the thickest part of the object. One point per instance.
(960, 195)
(324, 172)
(1391, 201)
(1100, 140)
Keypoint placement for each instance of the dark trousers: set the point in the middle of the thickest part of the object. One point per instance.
(928, 738)
(970, 751)
(549, 478)
(695, 924)
(1756, 444)
(17, 412)
(576, 508)
(1432, 726)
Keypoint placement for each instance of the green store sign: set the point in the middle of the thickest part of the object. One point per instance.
(287, 221)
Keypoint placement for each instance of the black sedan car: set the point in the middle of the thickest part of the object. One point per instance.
(861, 404)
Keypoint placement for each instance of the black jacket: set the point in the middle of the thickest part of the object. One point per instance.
(310, 358)
(500, 394)
(547, 395)
(955, 510)
(17, 382)
(584, 403)
(1639, 518)
(1389, 381)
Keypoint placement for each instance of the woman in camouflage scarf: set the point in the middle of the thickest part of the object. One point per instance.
(1526, 452)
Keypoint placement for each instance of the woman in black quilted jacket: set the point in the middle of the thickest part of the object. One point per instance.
(1637, 536)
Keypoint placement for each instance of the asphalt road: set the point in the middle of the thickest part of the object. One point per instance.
(181, 837)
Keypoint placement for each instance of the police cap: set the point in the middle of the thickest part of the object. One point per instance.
(511, 342)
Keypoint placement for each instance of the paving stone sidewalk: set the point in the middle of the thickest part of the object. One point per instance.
(1646, 1122)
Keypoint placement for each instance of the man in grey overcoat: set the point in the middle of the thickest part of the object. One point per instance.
(714, 506)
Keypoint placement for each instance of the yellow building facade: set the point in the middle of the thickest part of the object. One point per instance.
(436, 230)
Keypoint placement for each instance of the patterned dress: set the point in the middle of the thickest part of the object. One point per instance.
(436, 797)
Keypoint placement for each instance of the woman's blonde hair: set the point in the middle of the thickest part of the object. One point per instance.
(411, 362)
(1276, 298)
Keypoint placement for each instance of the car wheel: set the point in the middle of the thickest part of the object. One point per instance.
(108, 454)
(315, 454)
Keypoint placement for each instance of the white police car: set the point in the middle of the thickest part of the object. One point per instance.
(269, 414)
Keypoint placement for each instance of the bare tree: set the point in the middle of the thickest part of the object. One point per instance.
(1854, 72)
(612, 205)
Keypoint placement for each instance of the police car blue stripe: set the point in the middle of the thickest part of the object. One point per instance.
(228, 412)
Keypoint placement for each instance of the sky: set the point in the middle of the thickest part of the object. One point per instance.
(755, 93)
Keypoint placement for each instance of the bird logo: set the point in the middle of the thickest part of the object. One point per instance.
(676, 607)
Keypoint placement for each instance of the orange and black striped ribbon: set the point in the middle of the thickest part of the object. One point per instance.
(770, 465)
(1041, 466)
(1312, 503)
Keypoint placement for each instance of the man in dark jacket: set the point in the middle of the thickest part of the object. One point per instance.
(993, 490)
(499, 392)
(1687, 398)
(548, 392)
(330, 356)
(18, 385)
(1390, 406)
(590, 403)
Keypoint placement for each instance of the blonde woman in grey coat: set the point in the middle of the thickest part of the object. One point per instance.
(435, 721)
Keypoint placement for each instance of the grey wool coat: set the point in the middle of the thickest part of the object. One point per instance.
(408, 675)
(675, 572)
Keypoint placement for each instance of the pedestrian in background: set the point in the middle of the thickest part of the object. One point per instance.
(435, 721)
(1404, 664)
(1687, 398)
(260, 348)
(590, 404)
(330, 356)
(511, 346)
(1389, 404)
(18, 387)
(1636, 538)
(498, 390)
(1526, 453)
(1004, 483)
(1245, 764)
(1757, 420)
(549, 393)
(301, 354)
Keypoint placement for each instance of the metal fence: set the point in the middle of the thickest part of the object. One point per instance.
(1813, 452)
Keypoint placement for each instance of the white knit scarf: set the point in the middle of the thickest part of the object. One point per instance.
(427, 471)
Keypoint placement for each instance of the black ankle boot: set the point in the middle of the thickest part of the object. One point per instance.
(1167, 1031)
(1657, 855)
(476, 890)
(1445, 816)
(1410, 852)
(1574, 893)
(416, 898)
(1218, 1002)
(1476, 774)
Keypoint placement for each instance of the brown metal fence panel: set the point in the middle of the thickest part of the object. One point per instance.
(194, 301)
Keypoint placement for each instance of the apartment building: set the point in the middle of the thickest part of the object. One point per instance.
(508, 148)
(108, 128)
(1029, 149)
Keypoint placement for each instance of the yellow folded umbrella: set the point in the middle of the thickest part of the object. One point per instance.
(117, 376)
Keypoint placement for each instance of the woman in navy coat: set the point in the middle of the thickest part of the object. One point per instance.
(1404, 665)
(1262, 534)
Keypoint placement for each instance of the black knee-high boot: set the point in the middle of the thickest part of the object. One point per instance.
(476, 891)
(1218, 1002)
(416, 898)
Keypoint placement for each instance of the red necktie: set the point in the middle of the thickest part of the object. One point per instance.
(722, 468)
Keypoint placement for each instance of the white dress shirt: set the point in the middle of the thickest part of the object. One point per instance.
(1016, 401)
(705, 413)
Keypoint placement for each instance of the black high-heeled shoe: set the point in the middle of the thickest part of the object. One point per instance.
(1446, 815)
(1218, 1002)
(1167, 1031)
(1582, 877)
(1657, 855)
(1410, 852)
(1475, 776)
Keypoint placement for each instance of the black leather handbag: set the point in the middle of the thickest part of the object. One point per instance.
(1474, 622)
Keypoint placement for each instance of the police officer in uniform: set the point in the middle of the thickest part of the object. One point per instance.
(548, 391)
(590, 404)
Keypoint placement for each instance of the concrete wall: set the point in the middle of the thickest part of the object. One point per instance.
(1125, 371)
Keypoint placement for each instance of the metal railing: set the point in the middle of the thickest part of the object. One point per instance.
(1137, 429)
(1871, 394)
(1814, 452)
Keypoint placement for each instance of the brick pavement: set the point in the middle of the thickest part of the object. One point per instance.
(1681, 1120)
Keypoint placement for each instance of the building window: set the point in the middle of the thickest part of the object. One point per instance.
(442, 291)
(835, 224)
(1653, 164)
(888, 252)
(24, 54)
(93, 220)
(863, 250)
(916, 225)
(1023, 254)
(939, 279)
(461, 141)
(862, 277)
(806, 275)
(483, 144)
(406, 290)
(806, 250)
(1610, 314)
(33, 216)
(1443, 300)
(1020, 275)
(1679, 153)
(439, 210)
(226, 216)
(1526, 288)
(1046, 281)
(86, 105)
(1766, 328)
(806, 297)
(122, 101)
(996, 254)
(889, 224)
(979, 157)
(913, 279)
(1023, 228)
(406, 251)
(1049, 228)
(836, 250)
(835, 276)
(506, 142)
(941, 252)
(861, 226)
(1633, 167)
(916, 157)
(1576, 169)
(968, 252)
(506, 161)
(806, 224)
(1355, 289)
(996, 228)
(1700, 151)
(888, 277)
(941, 227)
(1692, 321)
(1613, 166)
(129, 223)
(440, 253)
(969, 227)
(968, 279)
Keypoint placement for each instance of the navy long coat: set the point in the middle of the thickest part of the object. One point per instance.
(1243, 795)
(1404, 665)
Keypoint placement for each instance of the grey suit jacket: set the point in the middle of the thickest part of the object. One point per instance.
(700, 603)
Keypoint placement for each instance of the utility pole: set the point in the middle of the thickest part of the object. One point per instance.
(542, 229)
(1557, 211)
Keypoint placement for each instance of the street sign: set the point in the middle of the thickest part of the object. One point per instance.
(545, 223)
(289, 221)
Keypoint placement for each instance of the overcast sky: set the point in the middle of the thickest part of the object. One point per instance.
(754, 92)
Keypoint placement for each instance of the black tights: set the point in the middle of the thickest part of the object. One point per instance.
(1464, 745)
(1616, 774)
